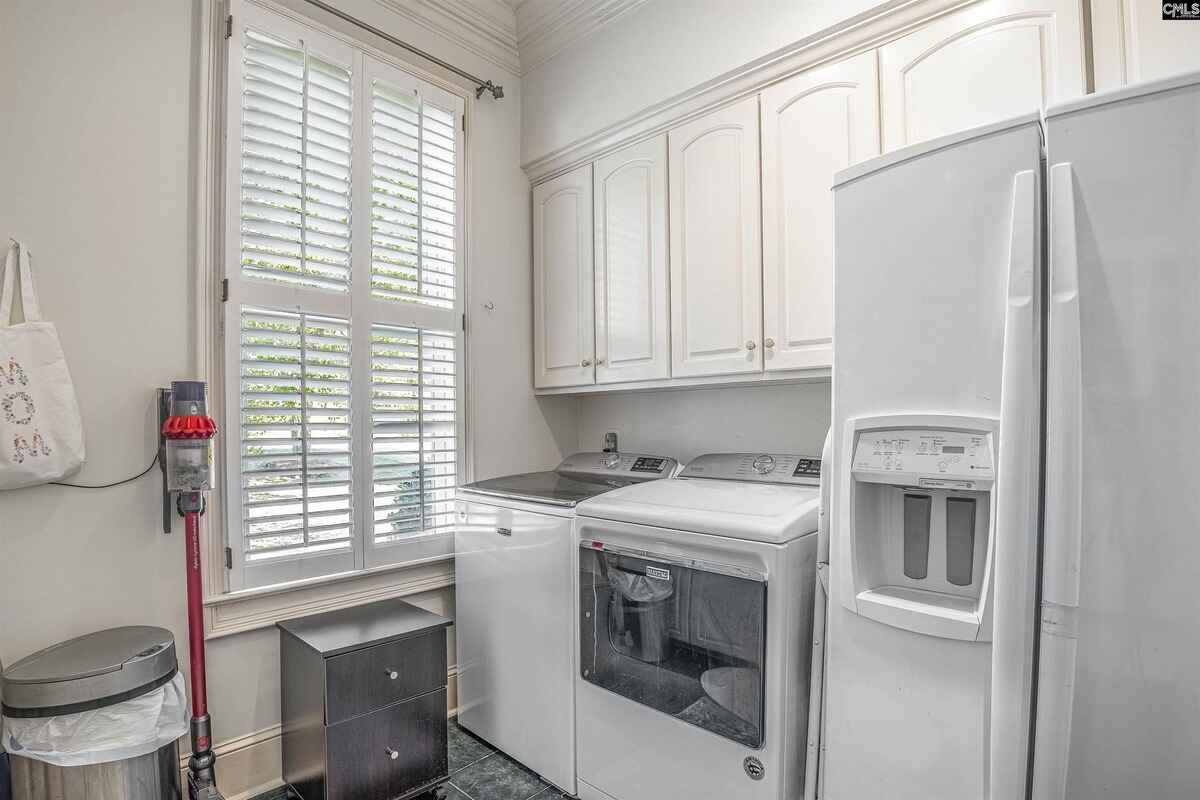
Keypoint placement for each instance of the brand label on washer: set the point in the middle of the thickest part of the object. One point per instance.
(658, 573)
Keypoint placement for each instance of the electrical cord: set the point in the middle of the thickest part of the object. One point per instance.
(141, 474)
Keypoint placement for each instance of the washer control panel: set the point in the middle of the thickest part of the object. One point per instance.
(925, 457)
(787, 468)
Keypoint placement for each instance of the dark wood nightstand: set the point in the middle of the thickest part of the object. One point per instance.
(364, 702)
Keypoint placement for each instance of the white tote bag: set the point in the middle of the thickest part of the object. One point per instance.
(41, 433)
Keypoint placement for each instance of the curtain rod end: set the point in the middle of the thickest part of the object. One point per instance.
(497, 91)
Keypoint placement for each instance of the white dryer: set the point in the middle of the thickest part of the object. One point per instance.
(695, 614)
(514, 626)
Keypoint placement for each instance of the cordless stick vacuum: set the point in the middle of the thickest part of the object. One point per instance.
(188, 433)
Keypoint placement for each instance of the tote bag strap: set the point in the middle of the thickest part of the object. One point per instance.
(18, 260)
(6, 290)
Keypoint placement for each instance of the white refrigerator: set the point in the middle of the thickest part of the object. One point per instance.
(1015, 527)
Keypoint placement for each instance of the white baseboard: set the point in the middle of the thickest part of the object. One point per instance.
(247, 765)
(250, 765)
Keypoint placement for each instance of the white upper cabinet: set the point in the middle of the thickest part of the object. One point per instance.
(812, 126)
(988, 61)
(1132, 42)
(563, 311)
(632, 326)
(716, 254)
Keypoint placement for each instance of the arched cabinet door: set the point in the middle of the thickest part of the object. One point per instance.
(813, 125)
(563, 310)
(716, 247)
(989, 61)
(632, 314)
(1131, 42)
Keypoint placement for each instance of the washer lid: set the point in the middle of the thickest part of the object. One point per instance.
(92, 671)
(760, 512)
(551, 488)
(577, 478)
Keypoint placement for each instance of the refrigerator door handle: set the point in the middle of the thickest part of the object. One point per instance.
(1015, 549)
(1063, 509)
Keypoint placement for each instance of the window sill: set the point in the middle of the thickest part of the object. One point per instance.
(239, 612)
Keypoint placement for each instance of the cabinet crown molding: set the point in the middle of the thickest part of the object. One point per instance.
(851, 36)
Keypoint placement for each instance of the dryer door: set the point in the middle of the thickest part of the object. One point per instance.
(684, 637)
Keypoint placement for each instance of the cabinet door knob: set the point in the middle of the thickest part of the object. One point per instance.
(599, 362)
(392, 754)
(769, 343)
(750, 345)
(585, 363)
(391, 673)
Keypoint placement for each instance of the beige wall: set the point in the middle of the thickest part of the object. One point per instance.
(690, 422)
(96, 176)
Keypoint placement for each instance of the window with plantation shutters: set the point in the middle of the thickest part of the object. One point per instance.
(413, 201)
(296, 132)
(414, 426)
(295, 429)
(343, 396)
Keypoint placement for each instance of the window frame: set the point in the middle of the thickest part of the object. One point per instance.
(427, 555)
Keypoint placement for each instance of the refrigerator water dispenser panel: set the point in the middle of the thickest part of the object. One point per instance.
(918, 539)
(930, 458)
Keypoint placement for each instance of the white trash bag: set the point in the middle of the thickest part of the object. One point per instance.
(126, 730)
(41, 431)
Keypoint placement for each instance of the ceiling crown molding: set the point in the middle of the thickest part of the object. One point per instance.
(486, 28)
(547, 27)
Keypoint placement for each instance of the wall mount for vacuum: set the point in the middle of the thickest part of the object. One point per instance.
(164, 411)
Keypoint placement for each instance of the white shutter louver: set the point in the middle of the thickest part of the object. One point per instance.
(413, 433)
(296, 132)
(295, 433)
(413, 168)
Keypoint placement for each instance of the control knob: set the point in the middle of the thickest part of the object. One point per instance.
(764, 464)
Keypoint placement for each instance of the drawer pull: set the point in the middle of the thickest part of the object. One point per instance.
(391, 673)
(392, 754)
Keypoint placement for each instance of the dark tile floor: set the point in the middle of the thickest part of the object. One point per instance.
(478, 772)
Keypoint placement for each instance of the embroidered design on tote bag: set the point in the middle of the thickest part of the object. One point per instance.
(26, 414)
(19, 410)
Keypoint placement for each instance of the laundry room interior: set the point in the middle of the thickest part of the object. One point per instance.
(599, 399)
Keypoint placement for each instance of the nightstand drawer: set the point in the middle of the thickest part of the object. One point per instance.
(391, 752)
(369, 679)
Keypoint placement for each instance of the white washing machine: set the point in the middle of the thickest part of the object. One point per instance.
(514, 626)
(695, 613)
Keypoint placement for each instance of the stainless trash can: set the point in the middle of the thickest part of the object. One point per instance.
(99, 671)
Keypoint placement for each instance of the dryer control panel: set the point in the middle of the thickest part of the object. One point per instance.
(622, 466)
(786, 468)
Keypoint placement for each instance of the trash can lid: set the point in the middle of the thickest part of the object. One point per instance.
(88, 672)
